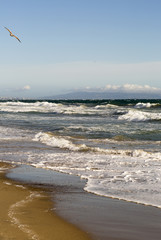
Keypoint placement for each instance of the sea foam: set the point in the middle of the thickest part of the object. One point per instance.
(135, 115)
(66, 143)
(146, 105)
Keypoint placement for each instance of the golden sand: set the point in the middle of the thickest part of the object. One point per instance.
(25, 213)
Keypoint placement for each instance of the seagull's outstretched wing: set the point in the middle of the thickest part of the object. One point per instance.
(17, 38)
(8, 30)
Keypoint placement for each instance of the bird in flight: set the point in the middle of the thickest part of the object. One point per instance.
(12, 35)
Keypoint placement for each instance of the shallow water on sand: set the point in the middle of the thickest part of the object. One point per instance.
(104, 218)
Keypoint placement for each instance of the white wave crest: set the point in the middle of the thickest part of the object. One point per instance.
(57, 141)
(47, 107)
(106, 106)
(145, 105)
(50, 107)
(135, 115)
(64, 143)
(30, 107)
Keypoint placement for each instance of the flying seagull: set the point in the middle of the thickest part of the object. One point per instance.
(12, 35)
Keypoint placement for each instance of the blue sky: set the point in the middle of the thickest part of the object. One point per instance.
(79, 44)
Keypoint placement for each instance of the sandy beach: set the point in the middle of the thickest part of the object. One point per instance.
(104, 218)
(26, 213)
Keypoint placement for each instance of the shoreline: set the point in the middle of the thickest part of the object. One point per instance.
(104, 218)
(26, 212)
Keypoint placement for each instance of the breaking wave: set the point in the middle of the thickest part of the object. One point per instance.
(48, 107)
(66, 143)
(136, 115)
(146, 105)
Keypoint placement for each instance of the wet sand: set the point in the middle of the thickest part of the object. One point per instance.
(26, 213)
(104, 218)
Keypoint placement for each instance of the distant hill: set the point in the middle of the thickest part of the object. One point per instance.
(105, 95)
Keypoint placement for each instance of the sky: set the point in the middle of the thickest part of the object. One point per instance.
(71, 45)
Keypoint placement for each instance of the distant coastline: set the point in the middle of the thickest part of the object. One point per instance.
(103, 95)
(90, 95)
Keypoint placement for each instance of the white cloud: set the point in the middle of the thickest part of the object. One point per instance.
(22, 89)
(27, 87)
(131, 88)
(111, 87)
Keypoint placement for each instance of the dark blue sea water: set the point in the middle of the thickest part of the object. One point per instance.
(114, 144)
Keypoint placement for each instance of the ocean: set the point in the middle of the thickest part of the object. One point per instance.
(114, 144)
